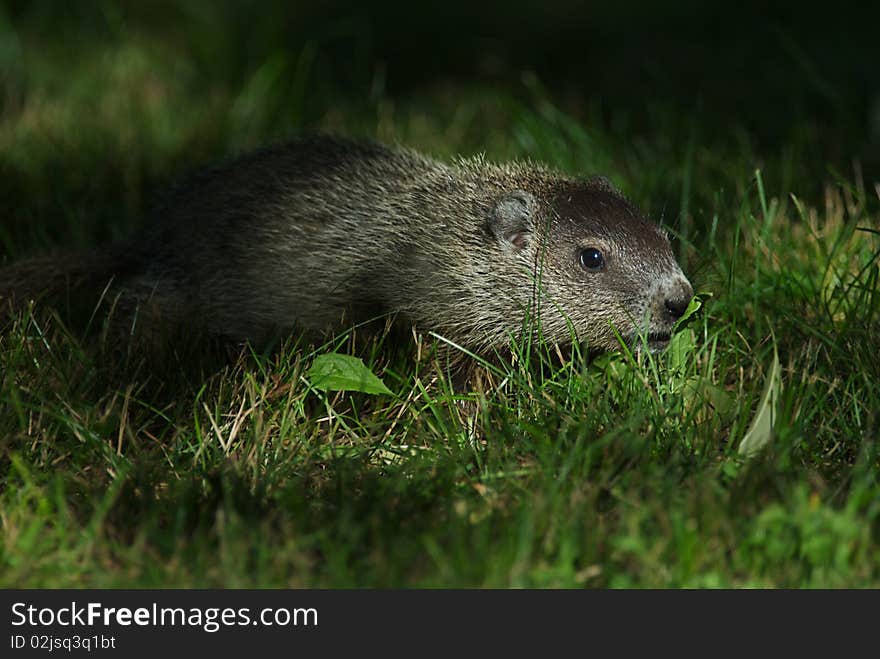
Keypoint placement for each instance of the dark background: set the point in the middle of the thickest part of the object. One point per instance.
(788, 87)
(770, 68)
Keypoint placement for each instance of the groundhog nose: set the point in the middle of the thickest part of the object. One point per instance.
(676, 297)
(677, 306)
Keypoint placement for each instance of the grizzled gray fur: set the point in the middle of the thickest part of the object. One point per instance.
(322, 233)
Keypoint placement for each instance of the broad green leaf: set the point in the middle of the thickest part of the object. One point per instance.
(336, 372)
(680, 346)
(760, 431)
(692, 308)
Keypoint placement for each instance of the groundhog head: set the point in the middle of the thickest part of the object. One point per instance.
(596, 265)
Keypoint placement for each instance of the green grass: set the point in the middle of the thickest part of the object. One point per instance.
(209, 469)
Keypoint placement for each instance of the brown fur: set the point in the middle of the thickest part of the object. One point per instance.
(322, 233)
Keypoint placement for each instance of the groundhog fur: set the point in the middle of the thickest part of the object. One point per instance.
(323, 233)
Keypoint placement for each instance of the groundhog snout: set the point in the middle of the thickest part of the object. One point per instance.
(673, 299)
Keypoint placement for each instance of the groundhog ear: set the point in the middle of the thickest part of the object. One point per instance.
(513, 220)
(601, 183)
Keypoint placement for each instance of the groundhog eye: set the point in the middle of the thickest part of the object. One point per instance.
(592, 259)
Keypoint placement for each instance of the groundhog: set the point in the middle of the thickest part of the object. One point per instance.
(323, 233)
